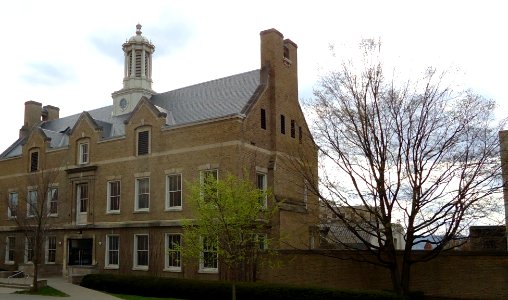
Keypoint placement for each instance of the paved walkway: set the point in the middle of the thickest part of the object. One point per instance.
(75, 292)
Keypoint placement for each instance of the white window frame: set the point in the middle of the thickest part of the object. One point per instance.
(107, 263)
(169, 250)
(10, 205)
(8, 249)
(51, 192)
(28, 249)
(83, 152)
(80, 200)
(108, 208)
(170, 192)
(202, 267)
(50, 249)
(262, 241)
(137, 194)
(31, 202)
(263, 188)
(136, 265)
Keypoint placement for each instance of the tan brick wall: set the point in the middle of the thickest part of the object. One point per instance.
(457, 275)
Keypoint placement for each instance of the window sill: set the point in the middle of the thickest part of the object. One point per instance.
(208, 271)
(112, 267)
(141, 211)
(176, 208)
(50, 263)
(140, 268)
(9, 262)
(53, 215)
(173, 270)
(113, 212)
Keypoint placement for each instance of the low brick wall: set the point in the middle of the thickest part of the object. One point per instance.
(456, 274)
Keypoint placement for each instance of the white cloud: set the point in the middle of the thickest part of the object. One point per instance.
(202, 40)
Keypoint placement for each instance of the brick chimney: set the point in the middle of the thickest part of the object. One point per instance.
(32, 113)
(50, 112)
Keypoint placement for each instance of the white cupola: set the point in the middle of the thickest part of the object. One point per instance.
(137, 80)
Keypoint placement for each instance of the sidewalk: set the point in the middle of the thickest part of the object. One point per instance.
(75, 292)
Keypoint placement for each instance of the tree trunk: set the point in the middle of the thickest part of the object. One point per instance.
(406, 277)
(233, 290)
(396, 279)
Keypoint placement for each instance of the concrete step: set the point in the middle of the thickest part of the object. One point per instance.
(14, 285)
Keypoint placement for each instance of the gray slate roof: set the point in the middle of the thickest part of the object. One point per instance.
(218, 98)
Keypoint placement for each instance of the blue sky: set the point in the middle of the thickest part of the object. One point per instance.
(68, 53)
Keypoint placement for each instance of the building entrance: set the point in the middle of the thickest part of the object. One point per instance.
(80, 252)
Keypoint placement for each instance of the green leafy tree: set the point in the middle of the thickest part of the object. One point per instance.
(230, 229)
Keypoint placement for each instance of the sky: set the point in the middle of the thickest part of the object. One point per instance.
(68, 53)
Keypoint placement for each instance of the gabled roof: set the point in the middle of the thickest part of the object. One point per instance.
(209, 100)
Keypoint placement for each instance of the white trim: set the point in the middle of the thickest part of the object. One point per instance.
(7, 248)
(46, 252)
(82, 153)
(264, 187)
(135, 265)
(167, 251)
(136, 195)
(108, 199)
(202, 268)
(9, 212)
(108, 265)
(167, 206)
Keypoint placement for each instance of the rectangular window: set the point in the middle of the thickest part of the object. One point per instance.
(83, 153)
(142, 194)
(141, 251)
(53, 201)
(29, 250)
(263, 119)
(34, 161)
(31, 204)
(12, 209)
(209, 257)
(82, 193)
(174, 194)
(173, 255)
(10, 250)
(262, 241)
(300, 134)
(143, 142)
(209, 187)
(112, 251)
(293, 128)
(282, 124)
(113, 196)
(262, 186)
(51, 249)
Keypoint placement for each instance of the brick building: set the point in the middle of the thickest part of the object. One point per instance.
(121, 172)
(503, 143)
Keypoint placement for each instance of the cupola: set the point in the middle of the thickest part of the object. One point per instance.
(137, 80)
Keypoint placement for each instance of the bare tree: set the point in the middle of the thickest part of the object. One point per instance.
(417, 152)
(39, 220)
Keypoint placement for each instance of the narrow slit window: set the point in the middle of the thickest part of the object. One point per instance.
(293, 128)
(143, 142)
(282, 124)
(263, 119)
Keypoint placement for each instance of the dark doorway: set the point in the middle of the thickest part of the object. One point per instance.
(80, 252)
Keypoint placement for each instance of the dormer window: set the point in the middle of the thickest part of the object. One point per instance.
(83, 153)
(143, 142)
(34, 160)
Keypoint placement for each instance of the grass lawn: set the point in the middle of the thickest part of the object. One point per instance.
(45, 291)
(134, 297)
